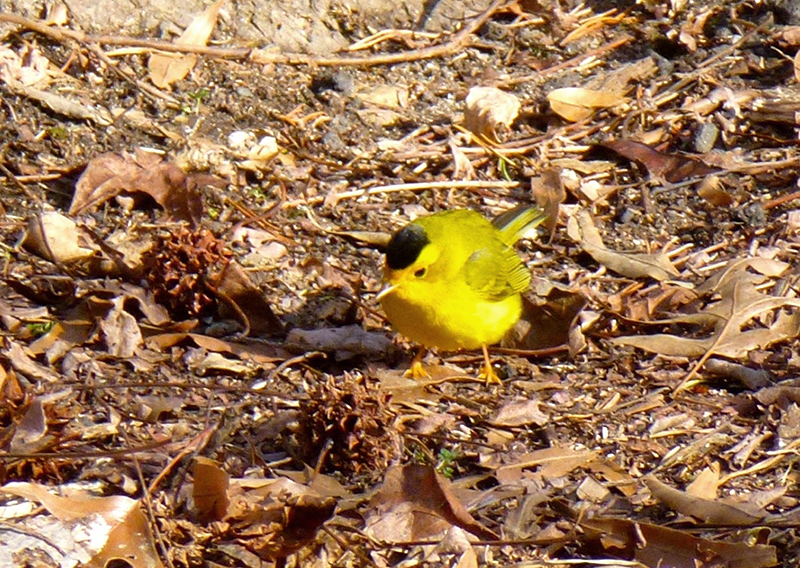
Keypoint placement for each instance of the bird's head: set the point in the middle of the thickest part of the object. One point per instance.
(409, 256)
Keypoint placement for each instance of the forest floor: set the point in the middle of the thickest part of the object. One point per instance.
(193, 249)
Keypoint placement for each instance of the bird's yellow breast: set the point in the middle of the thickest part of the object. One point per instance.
(449, 316)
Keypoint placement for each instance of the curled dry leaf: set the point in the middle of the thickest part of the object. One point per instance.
(576, 103)
(672, 168)
(167, 68)
(26, 67)
(547, 318)
(735, 299)
(118, 528)
(710, 511)
(488, 110)
(582, 229)
(346, 342)
(711, 190)
(416, 503)
(55, 237)
(549, 193)
(653, 545)
(275, 518)
(143, 173)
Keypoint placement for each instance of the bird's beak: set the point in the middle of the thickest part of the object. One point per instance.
(387, 290)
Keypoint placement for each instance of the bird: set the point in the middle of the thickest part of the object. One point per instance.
(454, 281)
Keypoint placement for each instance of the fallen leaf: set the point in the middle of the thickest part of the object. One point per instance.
(548, 317)
(210, 490)
(55, 237)
(118, 527)
(520, 413)
(416, 503)
(710, 511)
(576, 103)
(549, 194)
(488, 110)
(166, 68)
(652, 545)
(582, 229)
(740, 301)
(143, 173)
(345, 342)
(30, 434)
(672, 168)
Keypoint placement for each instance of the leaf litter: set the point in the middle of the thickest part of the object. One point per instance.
(193, 341)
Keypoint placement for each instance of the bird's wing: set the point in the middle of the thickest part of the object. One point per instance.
(495, 274)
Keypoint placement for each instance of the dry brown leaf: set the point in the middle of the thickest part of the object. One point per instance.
(144, 173)
(712, 191)
(416, 503)
(489, 110)
(581, 228)
(234, 286)
(121, 331)
(56, 238)
(713, 512)
(652, 545)
(520, 413)
(740, 301)
(672, 168)
(167, 68)
(548, 318)
(552, 463)
(706, 483)
(549, 194)
(391, 96)
(275, 517)
(345, 342)
(117, 524)
(22, 362)
(210, 490)
(576, 103)
(30, 434)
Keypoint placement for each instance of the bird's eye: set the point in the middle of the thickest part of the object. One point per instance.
(420, 273)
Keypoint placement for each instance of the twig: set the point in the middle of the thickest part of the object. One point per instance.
(421, 186)
(457, 42)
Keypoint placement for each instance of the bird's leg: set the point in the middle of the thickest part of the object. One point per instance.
(417, 371)
(488, 371)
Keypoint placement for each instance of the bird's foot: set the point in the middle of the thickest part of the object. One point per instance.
(488, 373)
(417, 371)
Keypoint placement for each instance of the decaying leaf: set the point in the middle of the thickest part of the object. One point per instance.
(167, 68)
(653, 545)
(549, 193)
(582, 229)
(345, 342)
(488, 110)
(142, 173)
(416, 503)
(549, 462)
(672, 168)
(30, 434)
(210, 490)
(56, 237)
(711, 511)
(710, 189)
(273, 518)
(577, 103)
(547, 318)
(118, 527)
(520, 413)
(733, 319)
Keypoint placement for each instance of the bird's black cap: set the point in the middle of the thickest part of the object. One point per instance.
(405, 245)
